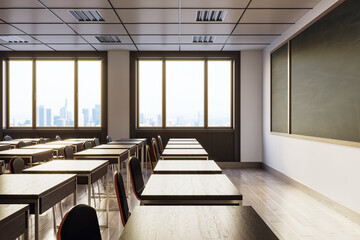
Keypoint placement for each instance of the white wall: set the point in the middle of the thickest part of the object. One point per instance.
(329, 169)
(251, 106)
(118, 94)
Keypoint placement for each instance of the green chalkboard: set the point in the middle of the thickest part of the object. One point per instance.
(279, 90)
(325, 76)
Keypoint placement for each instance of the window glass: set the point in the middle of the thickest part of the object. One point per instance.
(89, 93)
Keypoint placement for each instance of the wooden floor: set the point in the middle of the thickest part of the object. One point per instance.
(289, 212)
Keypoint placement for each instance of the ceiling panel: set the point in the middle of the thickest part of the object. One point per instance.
(148, 15)
(127, 47)
(60, 39)
(44, 28)
(243, 47)
(8, 29)
(218, 39)
(251, 39)
(92, 39)
(24, 38)
(2, 48)
(283, 4)
(158, 47)
(20, 4)
(30, 47)
(108, 15)
(145, 3)
(207, 28)
(76, 3)
(189, 15)
(215, 4)
(273, 15)
(66, 47)
(28, 16)
(261, 28)
(152, 28)
(156, 39)
(201, 47)
(96, 28)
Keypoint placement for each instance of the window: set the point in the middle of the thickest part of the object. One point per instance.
(150, 93)
(191, 93)
(20, 93)
(49, 91)
(89, 79)
(55, 93)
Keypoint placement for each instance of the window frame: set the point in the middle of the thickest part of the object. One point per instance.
(103, 118)
(164, 104)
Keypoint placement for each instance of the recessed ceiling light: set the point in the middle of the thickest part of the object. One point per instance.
(13, 39)
(210, 15)
(108, 39)
(87, 15)
(203, 39)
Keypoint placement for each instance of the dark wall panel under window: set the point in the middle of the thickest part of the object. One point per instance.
(279, 90)
(325, 76)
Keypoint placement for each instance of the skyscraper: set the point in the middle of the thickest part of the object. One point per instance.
(41, 116)
(96, 115)
(48, 117)
(85, 112)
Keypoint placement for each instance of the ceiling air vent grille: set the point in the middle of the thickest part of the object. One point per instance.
(203, 39)
(12, 39)
(210, 15)
(87, 15)
(108, 39)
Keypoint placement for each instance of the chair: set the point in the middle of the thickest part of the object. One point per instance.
(121, 198)
(87, 145)
(79, 223)
(160, 143)
(137, 180)
(57, 137)
(16, 165)
(68, 152)
(21, 144)
(108, 139)
(42, 141)
(7, 138)
(156, 150)
(152, 163)
(96, 142)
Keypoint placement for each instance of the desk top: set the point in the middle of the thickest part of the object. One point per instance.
(130, 141)
(24, 152)
(115, 146)
(182, 139)
(47, 146)
(183, 146)
(196, 222)
(63, 142)
(101, 152)
(16, 141)
(33, 139)
(183, 143)
(80, 139)
(190, 186)
(68, 166)
(11, 210)
(184, 152)
(31, 185)
(187, 167)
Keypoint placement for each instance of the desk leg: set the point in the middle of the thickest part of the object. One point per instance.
(31, 162)
(142, 158)
(74, 200)
(128, 174)
(107, 198)
(89, 190)
(26, 233)
(37, 220)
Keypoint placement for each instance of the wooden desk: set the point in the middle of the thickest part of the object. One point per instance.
(183, 146)
(182, 139)
(40, 191)
(115, 156)
(87, 172)
(14, 221)
(77, 145)
(184, 154)
(30, 156)
(58, 149)
(183, 143)
(196, 222)
(4, 146)
(190, 189)
(33, 140)
(92, 140)
(187, 167)
(131, 147)
(141, 144)
(14, 142)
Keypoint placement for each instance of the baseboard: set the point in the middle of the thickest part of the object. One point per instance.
(343, 210)
(230, 165)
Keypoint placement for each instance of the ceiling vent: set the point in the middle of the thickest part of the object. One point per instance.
(203, 39)
(210, 15)
(13, 39)
(87, 15)
(108, 39)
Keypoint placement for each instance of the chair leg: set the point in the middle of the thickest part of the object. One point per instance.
(97, 182)
(61, 210)
(54, 216)
(93, 195)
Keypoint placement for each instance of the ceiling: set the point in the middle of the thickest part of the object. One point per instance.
(156, 25)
